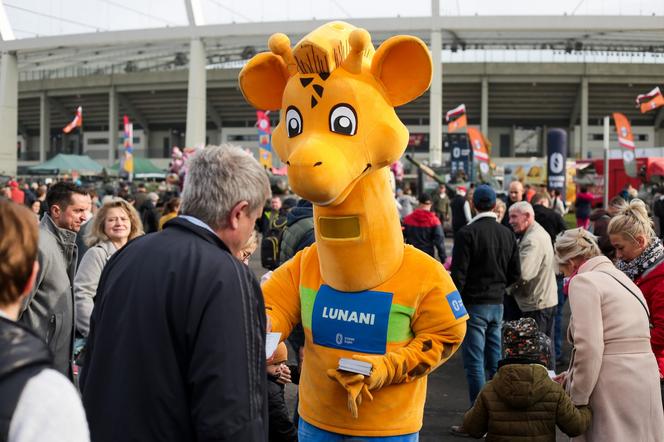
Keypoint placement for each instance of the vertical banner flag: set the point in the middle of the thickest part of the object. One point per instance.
(456, 118)
(556, 159)
(650, 101)
(480, 153)
(128, 161)
(76, 122)
(461, 161)
(264, 141)
(626, 142)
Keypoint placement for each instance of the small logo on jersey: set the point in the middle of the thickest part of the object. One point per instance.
(456, 304)
(339, 339)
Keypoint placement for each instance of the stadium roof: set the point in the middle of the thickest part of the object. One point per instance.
(638, 38)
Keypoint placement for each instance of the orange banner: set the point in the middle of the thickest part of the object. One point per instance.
(652, 104)
(480, 152)
(477, 141)
(626, 142)
(457, 124)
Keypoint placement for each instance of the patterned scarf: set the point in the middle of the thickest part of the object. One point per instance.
(650, 256)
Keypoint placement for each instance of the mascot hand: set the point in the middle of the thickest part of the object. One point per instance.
(379, 372)
(355, 386)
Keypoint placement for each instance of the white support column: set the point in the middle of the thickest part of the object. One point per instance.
(436, 93)
(484, 119)
(8, 113)
(584, 118)
(196, 118)
(112, 125)
(44, 127)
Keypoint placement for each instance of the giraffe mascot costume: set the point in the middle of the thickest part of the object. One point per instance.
(359, 291)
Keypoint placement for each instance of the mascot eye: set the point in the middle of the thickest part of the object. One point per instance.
(293, 122)
(343, 119)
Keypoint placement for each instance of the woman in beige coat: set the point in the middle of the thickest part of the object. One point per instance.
(612, 367)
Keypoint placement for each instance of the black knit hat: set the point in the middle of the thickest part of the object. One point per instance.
(523, 340)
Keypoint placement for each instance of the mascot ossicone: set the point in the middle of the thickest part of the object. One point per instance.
(359, 291)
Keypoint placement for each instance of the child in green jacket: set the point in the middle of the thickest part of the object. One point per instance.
(522, 402)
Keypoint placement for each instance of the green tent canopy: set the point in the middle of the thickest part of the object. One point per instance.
(63, 163)
(143, 168)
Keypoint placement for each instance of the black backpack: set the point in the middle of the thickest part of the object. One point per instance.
(271, 242)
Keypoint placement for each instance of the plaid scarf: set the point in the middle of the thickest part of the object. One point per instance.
(647, 259)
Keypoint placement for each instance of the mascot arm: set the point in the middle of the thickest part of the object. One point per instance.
(438, 334)
(282, 296)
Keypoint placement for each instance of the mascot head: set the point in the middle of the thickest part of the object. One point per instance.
(337, 96)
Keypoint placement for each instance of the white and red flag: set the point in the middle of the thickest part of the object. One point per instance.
(650, 101)
(456, 118)
(76, 122)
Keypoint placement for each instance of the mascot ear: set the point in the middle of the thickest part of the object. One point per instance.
(263, 81)
(403, 65)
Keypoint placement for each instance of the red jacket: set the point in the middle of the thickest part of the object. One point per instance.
(651, 284)
(422, 229)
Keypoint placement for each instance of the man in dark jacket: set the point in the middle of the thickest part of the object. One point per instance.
(299, 230)
(548, 218)
(485, 262)
(423, 230)
(460, 209)
(49, 310)
(149, 213)
(176, 350)
(515, 194)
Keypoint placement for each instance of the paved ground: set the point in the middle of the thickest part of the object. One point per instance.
(447, 394)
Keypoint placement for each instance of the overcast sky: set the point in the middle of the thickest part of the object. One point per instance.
(30, 18)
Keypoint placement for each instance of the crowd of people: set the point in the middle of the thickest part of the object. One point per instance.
(134, 314)
(524, 266)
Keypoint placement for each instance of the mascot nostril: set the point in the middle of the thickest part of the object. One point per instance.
(358, 291)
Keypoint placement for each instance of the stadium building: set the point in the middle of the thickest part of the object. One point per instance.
(516, 75)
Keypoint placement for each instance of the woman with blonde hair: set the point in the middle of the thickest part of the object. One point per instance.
(640, 256)
(114, 224)
(612, 368)
(500, 209)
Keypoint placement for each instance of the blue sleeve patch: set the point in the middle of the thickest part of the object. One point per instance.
(456, 304)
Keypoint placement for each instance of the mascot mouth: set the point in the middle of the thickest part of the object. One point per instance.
(340, 198)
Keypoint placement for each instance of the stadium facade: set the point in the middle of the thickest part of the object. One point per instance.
(517, 77)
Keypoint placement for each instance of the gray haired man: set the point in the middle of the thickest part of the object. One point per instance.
(176, 348)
